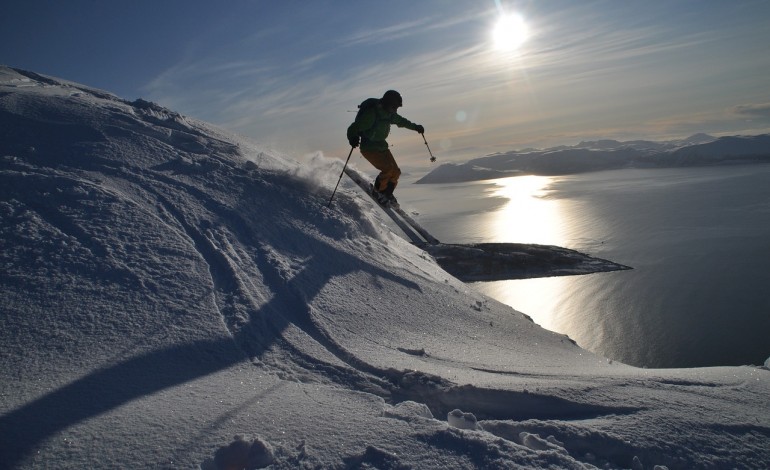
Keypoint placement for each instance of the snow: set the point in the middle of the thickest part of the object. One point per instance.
(175, 296)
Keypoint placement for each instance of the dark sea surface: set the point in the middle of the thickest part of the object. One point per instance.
(697, 238)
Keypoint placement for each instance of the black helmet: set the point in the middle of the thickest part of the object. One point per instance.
(391, 99)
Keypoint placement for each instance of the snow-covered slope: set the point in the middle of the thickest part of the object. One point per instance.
(177, 297)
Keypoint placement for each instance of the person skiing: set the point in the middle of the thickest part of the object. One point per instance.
(369, 130)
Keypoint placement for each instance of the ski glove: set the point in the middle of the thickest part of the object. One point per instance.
(420, 129)
(354, 141)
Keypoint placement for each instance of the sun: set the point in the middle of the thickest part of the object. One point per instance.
(510, 32)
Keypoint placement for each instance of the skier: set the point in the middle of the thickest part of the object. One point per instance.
(370, 129)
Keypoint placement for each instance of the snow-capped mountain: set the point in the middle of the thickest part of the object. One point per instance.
(175, 296)
(696, 150)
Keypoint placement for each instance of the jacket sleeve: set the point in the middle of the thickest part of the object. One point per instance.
(363, 122)
(401, 121)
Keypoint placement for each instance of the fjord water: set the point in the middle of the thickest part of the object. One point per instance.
(697, 238)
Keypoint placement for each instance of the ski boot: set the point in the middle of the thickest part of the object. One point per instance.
(391, 199)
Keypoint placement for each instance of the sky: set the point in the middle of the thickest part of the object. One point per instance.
(290, 74)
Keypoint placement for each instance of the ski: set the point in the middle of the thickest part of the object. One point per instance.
(414, 231)
(413, 223)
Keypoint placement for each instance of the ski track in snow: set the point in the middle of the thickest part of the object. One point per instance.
(127, 203)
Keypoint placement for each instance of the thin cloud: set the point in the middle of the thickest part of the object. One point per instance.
(386, 34)
(410, 28)
(758, 110)
(589, 55)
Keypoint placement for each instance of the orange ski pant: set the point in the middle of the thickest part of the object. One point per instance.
(383, 160)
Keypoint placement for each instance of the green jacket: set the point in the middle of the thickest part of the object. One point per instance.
(373, 125)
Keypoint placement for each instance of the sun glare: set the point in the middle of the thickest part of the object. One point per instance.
(542, 218)
(510, 32)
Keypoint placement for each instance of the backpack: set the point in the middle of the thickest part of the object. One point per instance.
(366, 104)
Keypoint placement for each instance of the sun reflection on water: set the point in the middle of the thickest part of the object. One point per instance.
(538, 298)
(527, 217)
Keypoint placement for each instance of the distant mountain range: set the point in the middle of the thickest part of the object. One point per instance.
(696, 150)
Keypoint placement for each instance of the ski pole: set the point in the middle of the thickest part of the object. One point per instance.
(432, 158)
(340, 179)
